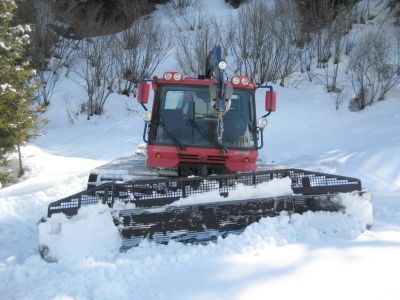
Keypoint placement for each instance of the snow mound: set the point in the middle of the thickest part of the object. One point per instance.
(310, 226)
(358, 206)
(91, 233)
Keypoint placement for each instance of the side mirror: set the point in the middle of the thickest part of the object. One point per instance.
(143, 93)
(270, 101)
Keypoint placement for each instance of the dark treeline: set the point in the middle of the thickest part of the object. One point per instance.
(77, 15)
(319, 13)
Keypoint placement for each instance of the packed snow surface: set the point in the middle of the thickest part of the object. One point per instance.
(313, 256)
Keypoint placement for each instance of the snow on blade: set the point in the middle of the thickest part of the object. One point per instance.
(275, 187)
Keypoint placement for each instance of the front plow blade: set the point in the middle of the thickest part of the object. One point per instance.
(156, 217)
(206, 222)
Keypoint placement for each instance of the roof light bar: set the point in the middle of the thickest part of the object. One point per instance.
(176, 76)
(241, 81)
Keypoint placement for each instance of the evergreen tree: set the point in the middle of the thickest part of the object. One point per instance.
(17, 119)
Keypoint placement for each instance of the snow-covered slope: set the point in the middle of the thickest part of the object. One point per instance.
(314, 256)
(308, 132)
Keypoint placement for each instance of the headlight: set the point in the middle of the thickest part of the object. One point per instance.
(167, 76)
(222, 65)
(146, 116)
(262, 123)
(177, 76)
(245, 81)
(235, 80)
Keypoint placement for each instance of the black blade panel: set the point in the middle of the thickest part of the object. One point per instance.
(206, 222)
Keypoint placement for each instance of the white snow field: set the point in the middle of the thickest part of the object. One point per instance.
(310, 256)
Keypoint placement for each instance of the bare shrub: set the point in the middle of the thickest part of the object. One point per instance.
(339, 99)
(137, 52)
(362, 12)
(191, 20)
(324, 39)
(331, 70)
(264, 40)
(337, 33)
(71, 111)
(194, 45)
(49, 52)
(180, 4)
(95, 70)
(374, 67)
(307, 53)
(248, 35)
(288, 37)
(325, 23)
(116, 63)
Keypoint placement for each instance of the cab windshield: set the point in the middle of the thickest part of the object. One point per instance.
(184, 115)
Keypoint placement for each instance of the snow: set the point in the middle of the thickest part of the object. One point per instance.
(314, 256)
(363, 144)
(273, 188)
(4, 47)
(98, 237)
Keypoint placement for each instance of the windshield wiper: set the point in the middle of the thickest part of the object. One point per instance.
(174, 139)
(212, 141)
